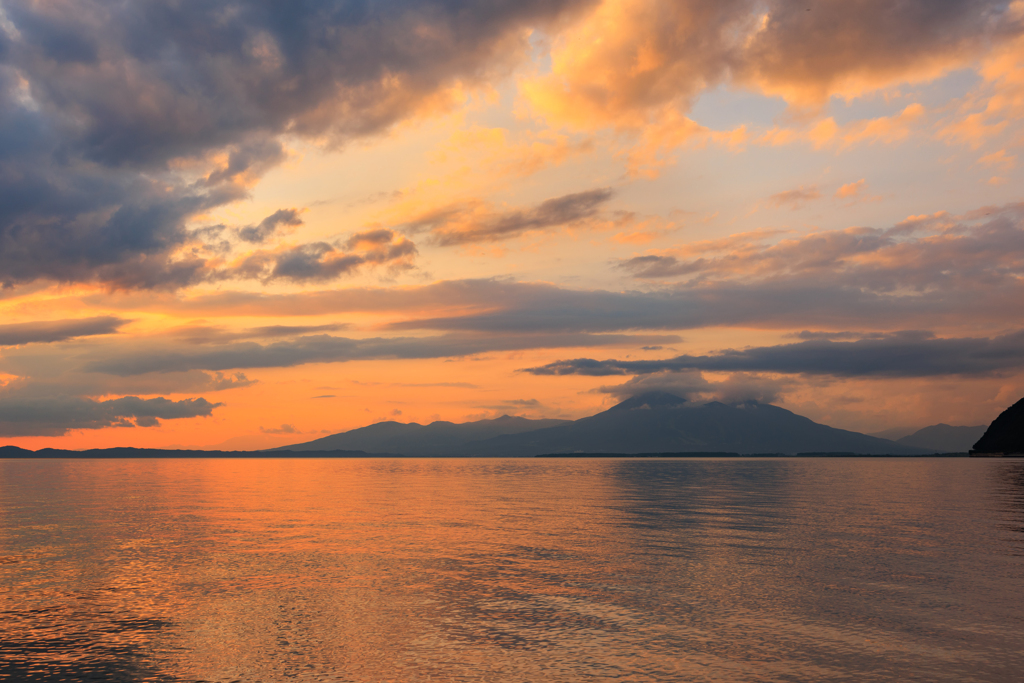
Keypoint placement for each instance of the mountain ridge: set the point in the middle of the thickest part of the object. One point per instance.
(412, 438)
(944, 438)
(654, 422)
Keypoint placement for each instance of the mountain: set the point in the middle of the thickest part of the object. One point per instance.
(943, 438)
(1006, 433)
(659, 422)
(436, 438)
(655, 422)
(893, 434)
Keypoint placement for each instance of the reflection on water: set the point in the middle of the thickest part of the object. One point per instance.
(512, 570)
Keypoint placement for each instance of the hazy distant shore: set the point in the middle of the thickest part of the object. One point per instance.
(13, 452)
(747, 455)
(112, 453)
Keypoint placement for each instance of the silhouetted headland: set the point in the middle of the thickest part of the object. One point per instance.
(1005, 436)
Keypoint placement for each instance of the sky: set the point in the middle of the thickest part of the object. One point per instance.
(241, 225)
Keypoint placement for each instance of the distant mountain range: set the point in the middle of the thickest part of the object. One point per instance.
(944, 439)
(655, 422)
(436, 438)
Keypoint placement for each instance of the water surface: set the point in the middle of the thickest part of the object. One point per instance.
(512, 570)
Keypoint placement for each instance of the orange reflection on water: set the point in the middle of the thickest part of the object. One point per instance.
(370, 570)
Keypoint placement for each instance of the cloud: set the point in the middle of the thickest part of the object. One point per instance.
(29, 415)
(998, 101)
(850, 190)
(506, 154)
(258, 234)
(827, 133)
(631, 57)
(999, 159)
(910, 354)
(920, 254)
(636, 67)
(794, 199)
(48, 331)
(119, 124)
(693, 386)
(852, 48)
(220, 381)
(936, 271)
(320, 261)
(329, 349)
(283, 429)
(205, 334)
(469, 223)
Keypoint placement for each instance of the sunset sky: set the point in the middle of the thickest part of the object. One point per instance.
(240, 225)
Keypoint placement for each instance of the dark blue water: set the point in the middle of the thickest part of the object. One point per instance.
(512, 570)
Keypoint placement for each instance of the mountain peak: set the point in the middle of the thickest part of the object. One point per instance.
(651, 399)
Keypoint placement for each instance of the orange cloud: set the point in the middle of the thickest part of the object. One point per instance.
(887, 129)
(669, 131)
(850, 190)
(524, 154)
(634, 66)
(999, 101)
(629, 58)
(827, 133)
(999, 159)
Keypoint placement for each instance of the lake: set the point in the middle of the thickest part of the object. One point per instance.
(512, 570)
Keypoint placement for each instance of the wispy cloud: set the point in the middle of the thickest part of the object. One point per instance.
(469, 223)
(911, 354)
(48, 331)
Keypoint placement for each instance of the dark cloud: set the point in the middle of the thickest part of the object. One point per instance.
(219, 381)
(536, 308)
(57, 330)
(471, 223)
(693, 386)
(879, 41)
(121, 122)
(329, 349)
(808, 335)
(206, 334)
(28, 415)
(305, 263)
(258, 234)
(517, 403)
(320, 261)
(283, 429)
(909, 354)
